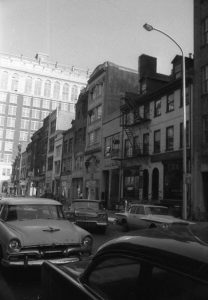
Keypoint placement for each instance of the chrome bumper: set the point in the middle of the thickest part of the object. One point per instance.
(38, 262)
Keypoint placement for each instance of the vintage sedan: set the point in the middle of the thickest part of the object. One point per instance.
(88, 214)
(141, 216)
(35, 229)
(147, 264)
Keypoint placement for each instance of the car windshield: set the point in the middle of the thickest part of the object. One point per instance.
(85, 205)
(33, 211)
(156, 210)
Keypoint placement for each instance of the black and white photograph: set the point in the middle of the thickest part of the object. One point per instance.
(103, 150)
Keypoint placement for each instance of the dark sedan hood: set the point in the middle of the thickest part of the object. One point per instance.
(44, 232)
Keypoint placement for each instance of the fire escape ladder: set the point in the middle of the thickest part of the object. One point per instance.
(130, 135)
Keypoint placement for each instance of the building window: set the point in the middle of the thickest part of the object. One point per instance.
(157, 141)
(38, 85)
(64, 106)
(46, 104)
(24, 124)
(205, 79)
(11, 122)
(187, 134)
(35, 113)
(74, 93)
(23, 136)
(1, 133)
(56, 90)
(15, 82)
(26, 101)
(2, 120)
(44, 114)
(53, 127)
(54, 105)
(50, 163)
(28, 85)
(112, 145)
(51, 145)
(157, 108)
(93, 137)
(36, 102)
(65, 146)
(34, 125)
(7, 157)
(170, 102)
(70, 146)
(169, 138)
(25, 112)
(188, 96)
(9, 134)
(205, 31)
(146, 143)
(65, 93)
(58, 150)
(47, 89)
(3, 97)
(12, 110)
(128, 151)
(13, 98)
(2, 108)
(4, 80)
(8, 146)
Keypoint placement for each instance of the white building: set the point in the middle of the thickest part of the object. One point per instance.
(29, 90)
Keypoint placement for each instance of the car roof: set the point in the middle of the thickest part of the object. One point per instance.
(177, 248)
(147, 205)
(85, 200)
(28, 200)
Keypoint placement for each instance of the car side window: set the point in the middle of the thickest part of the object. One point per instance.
(116, 278)
(132, 210)
(140, 210)
(4, 212)
(165, 284)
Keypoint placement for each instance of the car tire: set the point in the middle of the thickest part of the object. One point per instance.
(125, 226)
(152, 225)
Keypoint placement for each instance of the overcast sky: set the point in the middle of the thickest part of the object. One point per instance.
(85, 33)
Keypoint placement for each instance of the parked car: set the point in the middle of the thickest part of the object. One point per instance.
(35, 229)
(140, 216)
(148, 264)
(88, 214)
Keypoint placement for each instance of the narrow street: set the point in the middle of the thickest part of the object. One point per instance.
(26, 284)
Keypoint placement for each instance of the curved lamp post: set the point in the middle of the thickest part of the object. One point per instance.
(150, 28)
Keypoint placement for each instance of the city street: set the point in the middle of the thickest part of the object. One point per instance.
(26, 284)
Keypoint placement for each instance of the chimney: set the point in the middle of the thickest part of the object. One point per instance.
(147, 66)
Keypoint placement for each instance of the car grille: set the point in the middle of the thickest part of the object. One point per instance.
(49, 252)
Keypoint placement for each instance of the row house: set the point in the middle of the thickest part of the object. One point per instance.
(105, 86)
(152, 124)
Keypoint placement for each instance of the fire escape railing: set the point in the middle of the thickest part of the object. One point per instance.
(131, 106)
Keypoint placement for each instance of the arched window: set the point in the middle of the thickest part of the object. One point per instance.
(56, 90)
(65, 93)
(47, 89)
(15, 82)
(4, 80)
(74, 93)
(28, 85)
(38, 84)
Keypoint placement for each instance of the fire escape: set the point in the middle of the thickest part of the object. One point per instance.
(130, 117)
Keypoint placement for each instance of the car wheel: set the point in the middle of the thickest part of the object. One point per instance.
(125, 226)
(152, 225)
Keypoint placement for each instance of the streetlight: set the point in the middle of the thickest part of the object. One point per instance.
(149, 27)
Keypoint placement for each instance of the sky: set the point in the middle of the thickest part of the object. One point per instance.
(86, 33)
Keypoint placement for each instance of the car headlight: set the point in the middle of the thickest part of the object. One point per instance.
(164, 226)
(87, 242)
(14, 245)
